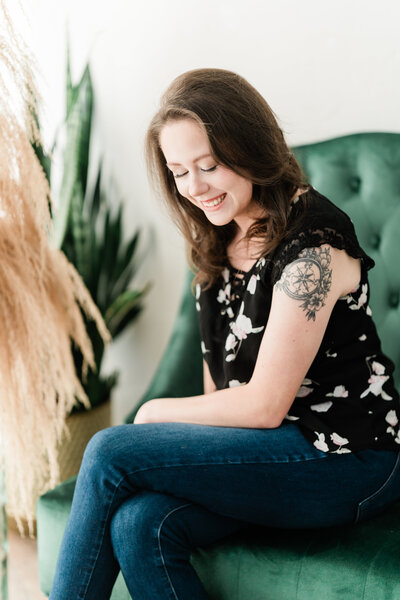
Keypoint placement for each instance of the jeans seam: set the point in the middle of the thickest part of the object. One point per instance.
(230, 462)
(380, 489)
(102, 532)
(159, 544)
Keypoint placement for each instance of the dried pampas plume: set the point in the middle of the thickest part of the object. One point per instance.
(40, 298)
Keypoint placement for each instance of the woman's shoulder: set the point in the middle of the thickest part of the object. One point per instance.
(315, 221)
(314, 209)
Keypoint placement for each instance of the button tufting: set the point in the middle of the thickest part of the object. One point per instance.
(394, 299)
(355, 183)
(375, 241)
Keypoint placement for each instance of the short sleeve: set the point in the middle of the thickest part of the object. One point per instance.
(326, 224)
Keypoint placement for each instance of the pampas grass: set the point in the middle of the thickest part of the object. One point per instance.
(41, 299)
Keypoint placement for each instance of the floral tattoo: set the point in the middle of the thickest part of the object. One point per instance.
(308, 279)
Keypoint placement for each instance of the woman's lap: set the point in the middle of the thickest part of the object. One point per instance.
(269, 477)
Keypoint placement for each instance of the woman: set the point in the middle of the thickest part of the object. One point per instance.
(299, 400)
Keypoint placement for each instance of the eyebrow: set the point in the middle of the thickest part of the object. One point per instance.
(174, 164)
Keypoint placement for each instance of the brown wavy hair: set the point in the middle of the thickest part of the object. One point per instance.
(244, 135)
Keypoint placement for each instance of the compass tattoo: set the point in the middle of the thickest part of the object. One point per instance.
(308, 279)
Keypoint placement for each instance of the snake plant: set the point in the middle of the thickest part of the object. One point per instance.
(89, 230)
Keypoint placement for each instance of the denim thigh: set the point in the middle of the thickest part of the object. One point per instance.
(271, 477)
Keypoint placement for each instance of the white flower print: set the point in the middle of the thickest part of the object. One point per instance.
(203, 348)
(339, 392)
(241, 328)
(251, 286)
(236, 383)
(330, 354)
(391, 418)
(393, 432)
(303, 390)
(393, 421)
(320, 443)
(376, 380)
(231, 342)
(362, 338)
(197, 292)
(260, 263)
(224, 294)
(375, 387)
(377, 368)
(291, 417)
(338, 440)
(361, 300)
(322, 406)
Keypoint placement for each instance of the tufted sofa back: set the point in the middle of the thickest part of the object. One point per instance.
(361, 174)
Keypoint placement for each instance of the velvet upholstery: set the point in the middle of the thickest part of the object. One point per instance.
(361, 173)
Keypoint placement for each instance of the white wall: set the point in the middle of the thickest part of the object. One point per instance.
(327, 68)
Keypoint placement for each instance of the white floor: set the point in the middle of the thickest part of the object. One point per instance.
(23, 578)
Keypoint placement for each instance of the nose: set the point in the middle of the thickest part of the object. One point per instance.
(197, 185)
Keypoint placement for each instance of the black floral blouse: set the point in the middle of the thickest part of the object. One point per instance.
(347, 401)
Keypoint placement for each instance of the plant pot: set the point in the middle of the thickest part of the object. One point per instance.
(82, 426)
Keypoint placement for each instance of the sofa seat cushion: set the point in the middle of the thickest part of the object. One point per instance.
(355, 563)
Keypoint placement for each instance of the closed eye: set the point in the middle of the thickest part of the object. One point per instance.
(210, 170)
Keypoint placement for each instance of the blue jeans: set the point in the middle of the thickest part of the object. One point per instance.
(146, 495)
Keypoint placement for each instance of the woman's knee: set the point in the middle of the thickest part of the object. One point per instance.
(101, 447)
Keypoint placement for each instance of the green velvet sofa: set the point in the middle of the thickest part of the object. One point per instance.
(361, 173)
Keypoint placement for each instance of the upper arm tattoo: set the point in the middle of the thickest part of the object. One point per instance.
(308, 279)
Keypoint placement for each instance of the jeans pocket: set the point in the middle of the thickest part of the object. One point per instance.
(388, 493)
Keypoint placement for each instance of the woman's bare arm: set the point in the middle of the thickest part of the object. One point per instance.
(295, 328)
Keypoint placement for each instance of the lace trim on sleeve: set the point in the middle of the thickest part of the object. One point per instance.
(314, 238)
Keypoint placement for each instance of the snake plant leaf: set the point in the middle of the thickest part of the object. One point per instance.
(71, 91)
(92, 276)
(112, 241)
(102, 283)
(125, 256)
(126, 305)
(80, 230)
(96, 199)
(76, 152)
(124, 268)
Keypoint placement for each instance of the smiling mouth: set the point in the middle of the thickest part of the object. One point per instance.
(215, 202)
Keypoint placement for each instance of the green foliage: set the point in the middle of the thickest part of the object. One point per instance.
(90, 233)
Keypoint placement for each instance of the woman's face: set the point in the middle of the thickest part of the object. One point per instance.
(219, 192)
